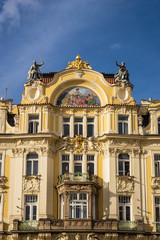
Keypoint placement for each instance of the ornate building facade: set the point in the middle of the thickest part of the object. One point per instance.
(79, 159)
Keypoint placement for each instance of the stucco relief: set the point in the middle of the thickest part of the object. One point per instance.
(31, 183)
(63, 236)
(155, 183)
(92, 236)
(125, 183)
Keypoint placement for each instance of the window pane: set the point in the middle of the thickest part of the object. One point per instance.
(127, 169)
(36, 124)
(0, 156)
(123, 118)
(90, 120)
(66, 119)
(34, 212)
(123, 156)
(76, 129)
(84, 211)
(128, 213)
(66, 130)
(90, 130)
(27, 214)
(78, 168)
(29, 167)
(78, 211)
(33, 117)
(157, 214)
(120, 167)
(90, 168)
(35, 167)
(65, 157)
(125, 128)
(80, 129)
(158, 128)
(32, 156)
(78, 119)
(120, 128)
(30, 130)
(65, 168)
(120, 213)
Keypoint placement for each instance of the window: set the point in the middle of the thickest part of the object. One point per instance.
(90, 164)
(158, 125)
(123, 165)
(31, 207)
(66, 127)
(90, 127)
(32, 164)
(123, 124)
(0, 164)
(157, 165)
(157, 208)
(78, 163)
(124, 208)
(33, 124)
(78, 205)
(65, 164)
(0, 208)
(78, 126)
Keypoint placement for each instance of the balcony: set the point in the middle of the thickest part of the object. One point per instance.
(127, 225)
(77, 177)
(26, 225)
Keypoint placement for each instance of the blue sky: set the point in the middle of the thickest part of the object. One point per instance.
(101, 31)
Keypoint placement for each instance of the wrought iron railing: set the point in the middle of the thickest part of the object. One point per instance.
(127, 225)
(28, 225)
(77, 177)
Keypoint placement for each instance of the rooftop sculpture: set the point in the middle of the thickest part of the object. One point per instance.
(122, 74)
(34, 72)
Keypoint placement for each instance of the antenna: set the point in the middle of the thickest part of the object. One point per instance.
(6, 92)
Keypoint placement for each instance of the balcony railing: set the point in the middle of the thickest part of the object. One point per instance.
(127, 225)
(28, 225)
(77, 177)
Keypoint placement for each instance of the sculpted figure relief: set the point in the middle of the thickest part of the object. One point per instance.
(122, 74)
(34, 71)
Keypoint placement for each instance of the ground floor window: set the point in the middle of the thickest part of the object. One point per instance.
(124, 208)
(31, 202)
(78, 205)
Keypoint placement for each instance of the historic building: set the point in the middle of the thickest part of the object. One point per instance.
(79, 159)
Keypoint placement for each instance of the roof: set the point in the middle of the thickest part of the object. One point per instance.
(48, 77)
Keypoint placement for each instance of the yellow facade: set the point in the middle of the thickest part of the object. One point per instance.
(79, 158)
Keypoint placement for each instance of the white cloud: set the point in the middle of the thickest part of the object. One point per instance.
(116, 46)
(11, 9)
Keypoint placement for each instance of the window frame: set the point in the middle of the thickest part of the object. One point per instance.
(33, 124)
(91, 123)
(78, 124)
(65, 161)
(66, 124)
(78, 162)
(124, 124)
(91, 161)
(124, 161)
(31, 206)
(124, 206)
(32, 160)
(80, 203)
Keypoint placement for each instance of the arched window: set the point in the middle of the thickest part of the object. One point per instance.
(123, 165)
(32, 164)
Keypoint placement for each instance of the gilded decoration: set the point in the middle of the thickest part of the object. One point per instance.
(155, 183)
(125, 183)
(78, 144)
(31, 183)
(78, 63)
(78, 96)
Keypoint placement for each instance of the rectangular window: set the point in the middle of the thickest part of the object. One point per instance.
(90, 164)
(159, 126)
(78, 205)
(33, 124)
(157, 165)
(123, 165)
(78, 163)
(78, 126)
(32, 164)
(31, 202)
(66, 127)
(123, 124)
(124, 208)
(65, 164)
(157, 208)
(90, 127)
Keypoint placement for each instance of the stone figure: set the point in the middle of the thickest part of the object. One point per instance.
(122, 74)
(34, 71)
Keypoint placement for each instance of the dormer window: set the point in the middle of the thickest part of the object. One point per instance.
(33, 126)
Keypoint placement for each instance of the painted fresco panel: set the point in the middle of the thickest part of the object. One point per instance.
(78, 97)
